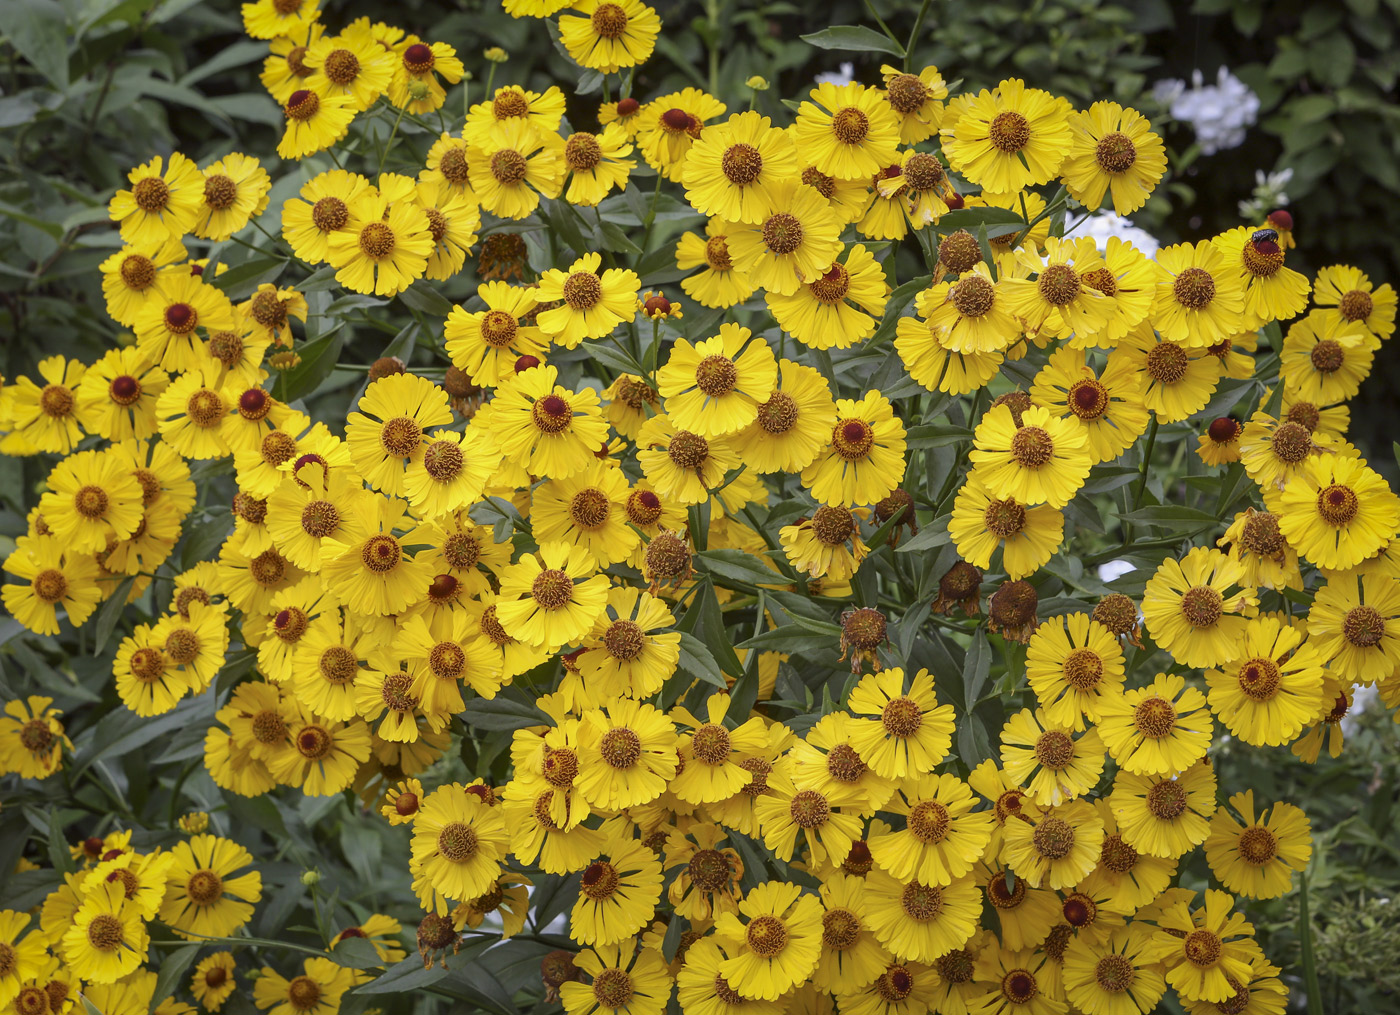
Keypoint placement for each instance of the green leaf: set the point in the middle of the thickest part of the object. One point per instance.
(1173, 516)
(245, 278)
(698, 661)
(172, 970)
(977, 668)
(425, 299)
(738, 566)
(356, 953)
(933, 534)
(854, 39)
(110, 613)
(318, 359)
(930, 435)
(38, 30)
(504, 713)
(789, 638)
(971, 218)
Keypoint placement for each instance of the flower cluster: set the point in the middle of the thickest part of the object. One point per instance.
(493, 536)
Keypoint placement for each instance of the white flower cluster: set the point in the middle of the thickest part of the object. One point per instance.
(1218, 113)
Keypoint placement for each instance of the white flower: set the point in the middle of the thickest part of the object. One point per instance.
(1219, 113)
(843, 77)
(1101, 225)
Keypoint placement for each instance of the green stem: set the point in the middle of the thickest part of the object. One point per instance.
(331, 152)
(1146, 463)
(914, 36)
(1305, 940)
(389, 143)
(712, 14)
(490, 79)
(651, 216)
(881, 22)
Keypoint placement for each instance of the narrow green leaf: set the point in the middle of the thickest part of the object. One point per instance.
(854, 39)
(110, 613)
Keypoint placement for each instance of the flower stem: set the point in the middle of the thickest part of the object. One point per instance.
(389, 143)
(914, 36)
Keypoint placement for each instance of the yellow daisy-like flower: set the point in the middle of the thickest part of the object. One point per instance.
(922, 347)
(921, 188)
(1159, 729)
(1257, 857)
(135, 275)
(314, 122)
(1008, 139)
(1325, 358)
(730, 171)
(552, 597)
(595, 301)
(848, 132)
(50, 577)
(513, 166)
(351, 64)
(1074, 664)
(919, 922)
(627, 652)
(819, 546)
(1200, 295)
(792, 425)
(618, 978)
(204, 895)
(487, 344)
(213, 981)
(1349, 294)
(720, 284)
(1209, 952)
(512, 104)
(1275, 451)
(284, 69)
(1055, 846)
(547, 429)
(317, 990)
(268, 312)
(1256, 540)
(1058, 766)
(452, 472)
(1059, 300)
(267, 19)
(116, 398)
(796, 242)
(1273, 292)
(778, 942)
(667, 127)
(981, 523)
(1114, 975)
(235, 190)
(1124, 878)
(106, 939)
(1337, 511)
(715, 387)
(415, 87)
(916, 100)
(897, 732)
(612, 34)
(943, 837)
(1165, 815)
(166, 327)
(627, 753)
(1197, 608)
(1108, 405)
(31, 737)
(1112, 149)
(618, 894)
(864, 461)
(386, 433)
(682, 465)
(383, 247)
(159, 206)
(458, 845)
(821, 314)
(596, 164)
(586, 509)
(453, 223)
(321, 210)
(92, 498)
(1020, 980)
(1043, 460)
(1354, 625)
(969, 315)
(325, 758)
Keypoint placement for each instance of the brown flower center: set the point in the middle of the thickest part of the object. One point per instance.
(1356, 305)
(711, 744)
(850, 125)
(833, 525)
(50, 585)
(1083, 669)
(1167, 800)
(1194, 288)
(1202, 606)
(809, 809)
(852, 439)
(1202, 948)
(338, 665)
(1054, 750)
(1167, 363)
(620, 747)
(688, 450)
(552, 589)
(204, 887)
(1257, 845)
(377, 240)
(906, 93)
(972, 296)
(381, 554)
(766, 935)
(1155, 718)
(1053, 838)
(303, 993)
(600, 880)
(1115, 153)
(302, 104)
(508, 166)
(151, 194)
(329, 214)
(582, 151)
(782, 233)
(929, 821)
(716, 376)
(920, 901)
(319, 519)
(1117, 855)
(894, 984)
(443, 460)
(609, 21)
(1032, 447)
(1364, 626)
(220, 192)
(1338, 505)
(717, 254)
(741, 163)
(401, 436)
(583, 290)
(1009, 131)
(1059, 285)
(901, 716)
(1004, 518)
(105, 932)
(845, 765)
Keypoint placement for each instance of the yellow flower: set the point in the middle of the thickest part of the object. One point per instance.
(1019, 979)
(1043, 460)
(235, 190)
(513, 166)
(383, 247)
(623, 977)
(314, 122)
(922, 347)
(106, 939)
(351, 64)
(1112, 149)
(458, 845)
(916, 100)
(1208, 952)
(322, 210)
(366, 567)
(970, 314)
(415, 87)
(315, 991)
(31, 737)
(1159, 729)
(618, 894)
(512, 105)
(213, 981)
(1012, 138)
(1113, 975)
(596, 164)
(285, 70)
(325, 757)
(1354, 625)
(943, 837)
(166, 327)
(796, 242)
(1200, 295)
(1074, 665)
(667, 127)
(1257, 858)
(1054, 846)
(864, 461)
(848, 132)
(159, 207)
(267, 19)
(136, 275)
(1164, 815)
(720, 284)
(682, 465)
(1059, 300)
(204, 895)
(897, 732)
(1063, 767)
(730, 171)
(1273, 292)
(545, 428)
(386, 433)
(1337, 511)
(485, 345)
(1349, 294)
(595, 301)
(552, 597)
(452, 472)
(777, 944)
(715, 387)
(820, 313)
(611, 35)
(919, 922)
(1325, 358)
